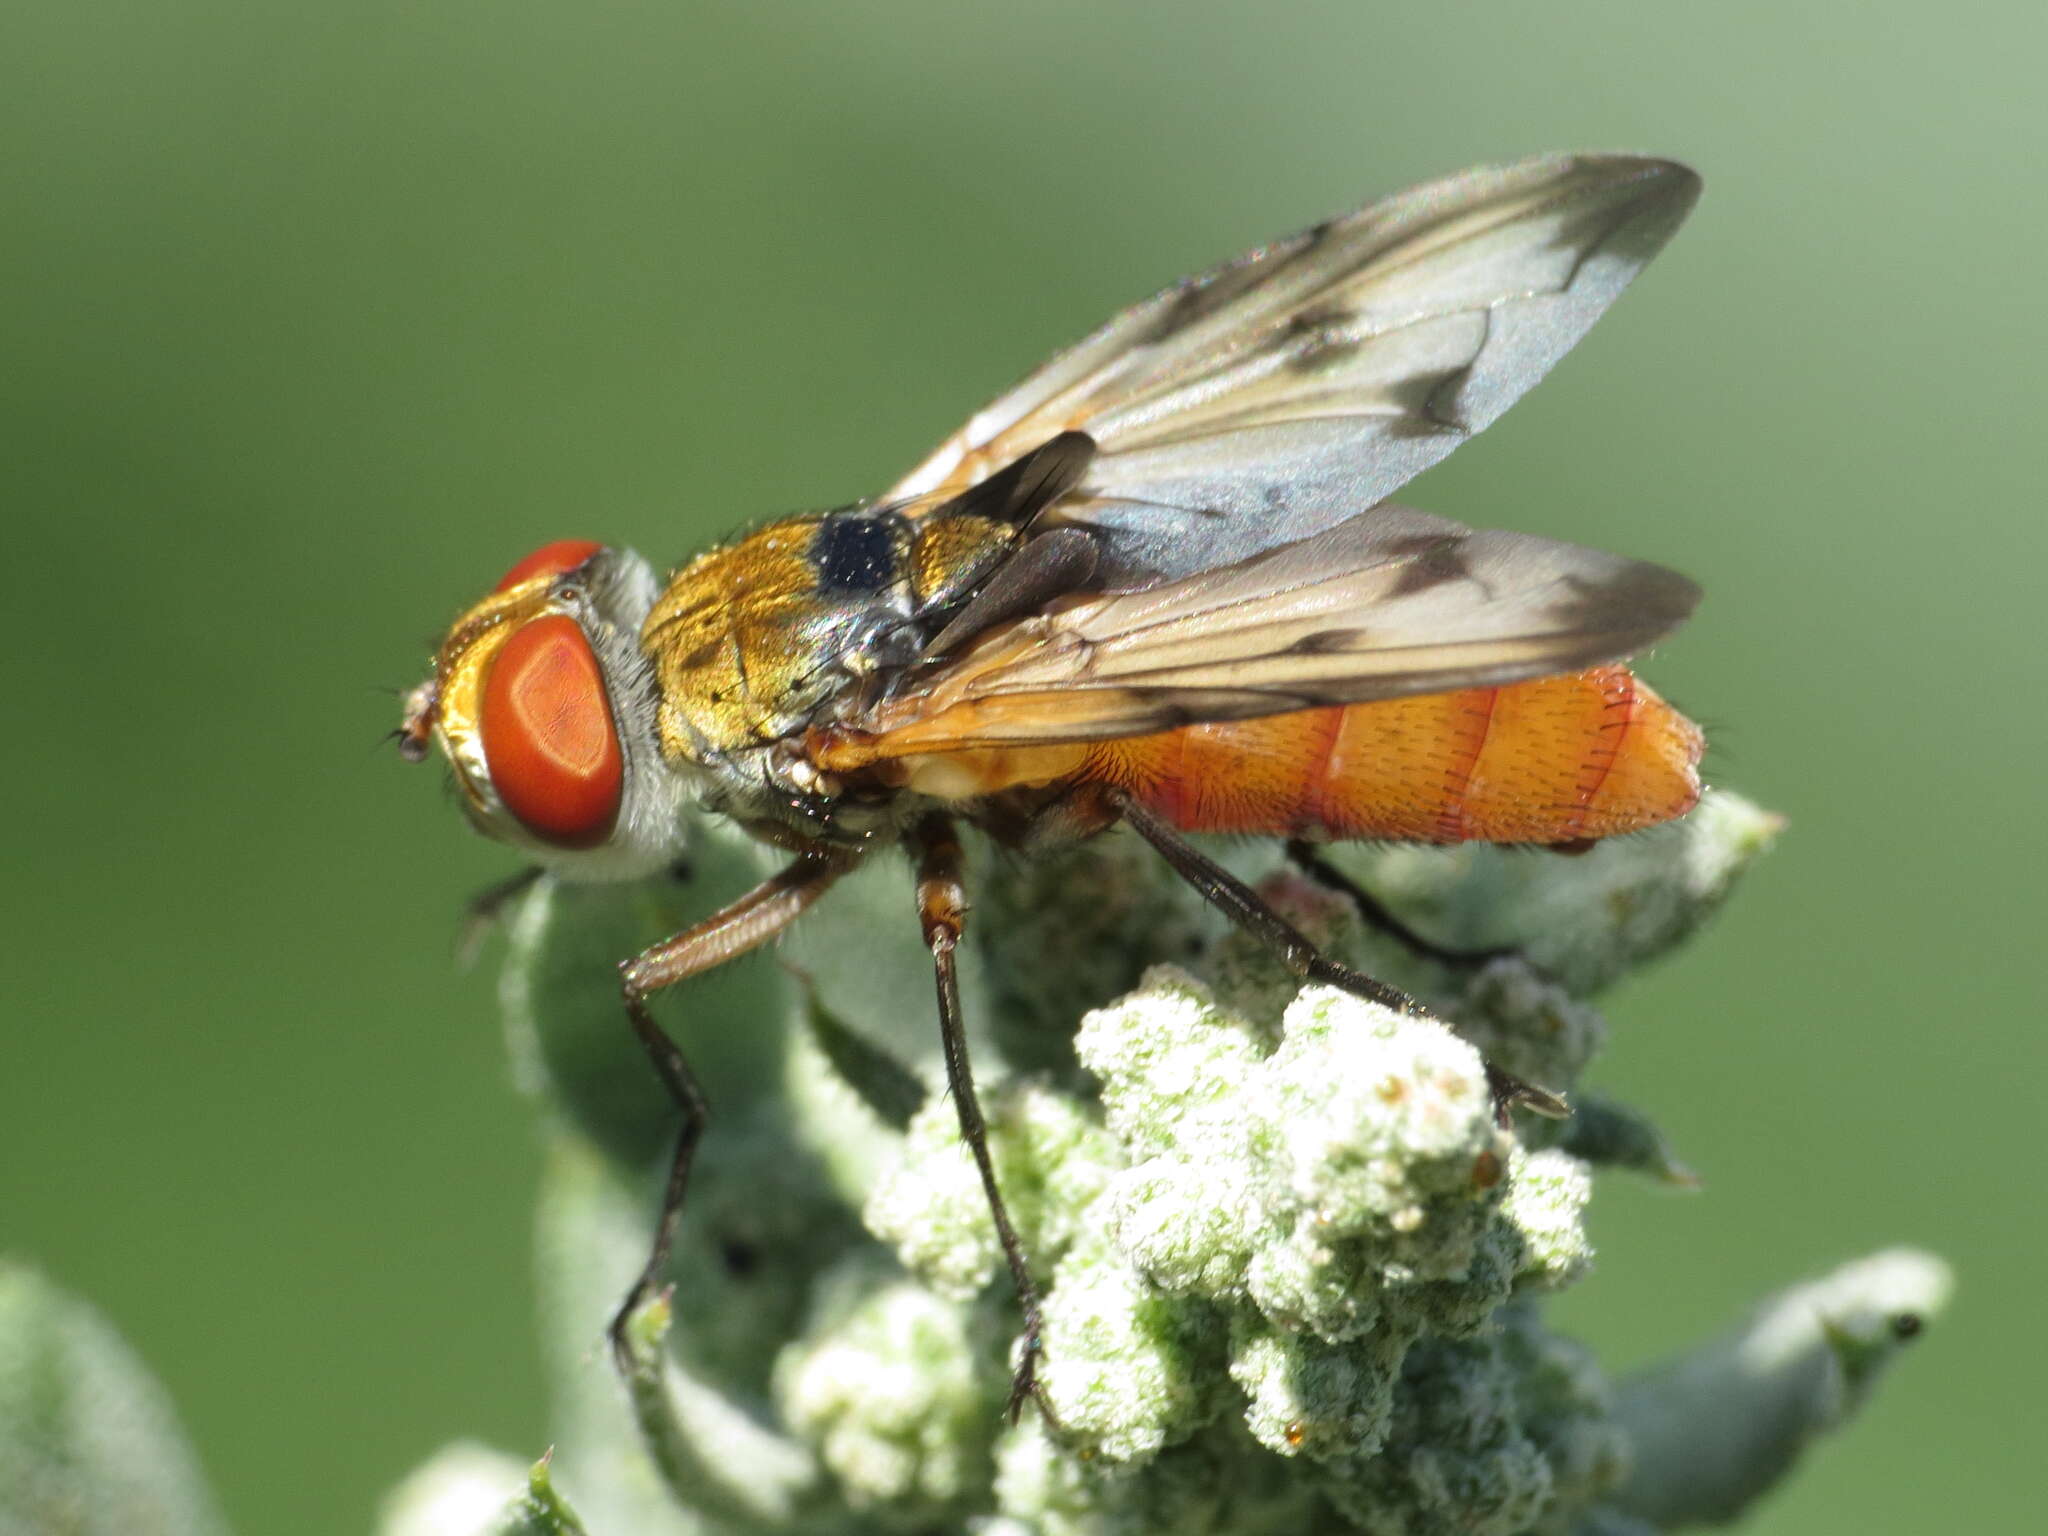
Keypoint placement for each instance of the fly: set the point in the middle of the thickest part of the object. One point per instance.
(1159, 584)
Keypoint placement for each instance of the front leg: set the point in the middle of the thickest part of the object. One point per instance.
(942, 911)
(486, 909)
(747, 923)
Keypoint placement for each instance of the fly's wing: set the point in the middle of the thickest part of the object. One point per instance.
(1267, 400)
(1393, 602)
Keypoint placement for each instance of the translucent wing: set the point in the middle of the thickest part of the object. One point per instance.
(1393, 602)
(1273, 397)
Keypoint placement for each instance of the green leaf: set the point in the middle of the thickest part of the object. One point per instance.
(882, 1082)
(540, 1510)
(89, 1443)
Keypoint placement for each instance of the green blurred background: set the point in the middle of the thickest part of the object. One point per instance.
(316, 317)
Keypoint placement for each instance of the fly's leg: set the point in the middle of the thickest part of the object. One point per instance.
(1306, 858)
(747, 923)
(486, 908)
(1246, 908)
(942, 910)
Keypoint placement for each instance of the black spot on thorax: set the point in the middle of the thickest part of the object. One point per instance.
(854, 554)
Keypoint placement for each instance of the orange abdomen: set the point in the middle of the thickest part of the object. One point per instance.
(1555, 760)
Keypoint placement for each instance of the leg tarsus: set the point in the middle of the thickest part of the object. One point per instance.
(618, 1333)
(1024, 1382)
(688, 1096)
(1511, 1093)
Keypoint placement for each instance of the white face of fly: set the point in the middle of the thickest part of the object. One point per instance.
(543, 704)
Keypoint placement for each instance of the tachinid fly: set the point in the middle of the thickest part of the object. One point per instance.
(1157, 583)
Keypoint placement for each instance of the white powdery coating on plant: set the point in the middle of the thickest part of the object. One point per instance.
(931, 1207)
(1525, 1023)
(1546, 1201)
(1171, 1063)
(1216, 1484)
(1457, 1460)
(1173, 1067)
(1363, 1149)
(1126, 1367)
(1308, 1398)
(1565, 1404)
(1727, 832)
(1053, 1162)
(463, 1491)
(1374, 1121)
(884, 1386)
(1332, 1200)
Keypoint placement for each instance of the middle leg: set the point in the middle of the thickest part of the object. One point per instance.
(942, 910)
(1251, 912)
(1308, 858)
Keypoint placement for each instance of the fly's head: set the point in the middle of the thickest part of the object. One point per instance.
(543, 704)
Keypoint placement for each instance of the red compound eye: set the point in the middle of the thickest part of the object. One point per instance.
(548, 734)
(550, 560)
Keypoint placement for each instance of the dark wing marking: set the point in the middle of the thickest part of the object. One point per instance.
(1393, 602)
(1050, 565)
(1022, 489)
(1271, 398)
